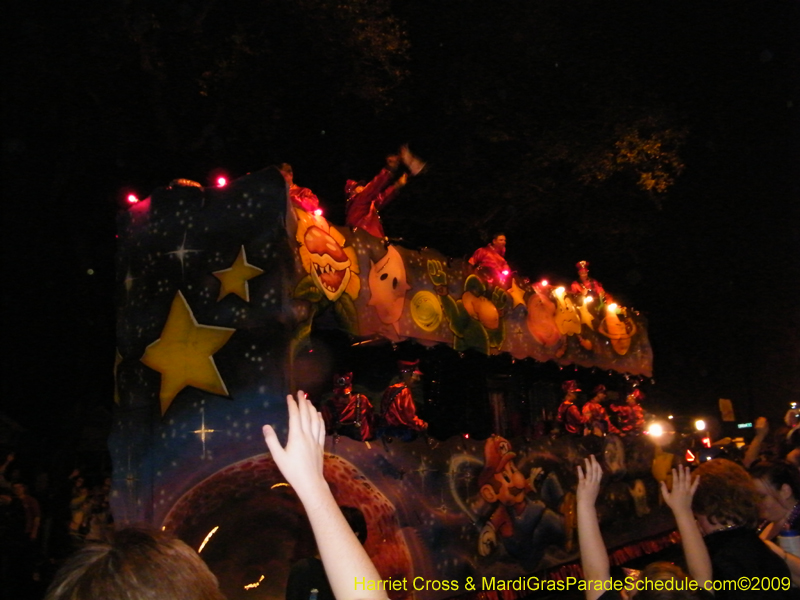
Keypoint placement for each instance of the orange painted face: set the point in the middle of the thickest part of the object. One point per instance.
(330, 264)
(481, 309)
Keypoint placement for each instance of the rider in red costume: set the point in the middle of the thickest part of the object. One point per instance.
(490, 262)
(365, 201)
(568, 413)
(301, 197)
(398, 408)
(630, 416)
(585, 284)
(595, 415)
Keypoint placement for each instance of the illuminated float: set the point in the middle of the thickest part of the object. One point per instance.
(220, 291)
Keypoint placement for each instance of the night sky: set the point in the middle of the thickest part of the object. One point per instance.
(659, 141)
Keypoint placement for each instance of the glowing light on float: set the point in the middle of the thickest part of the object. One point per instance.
(699, 425)
(222, 181)
(251, 586)
(132, 199)
(318, 212)
(208, 537)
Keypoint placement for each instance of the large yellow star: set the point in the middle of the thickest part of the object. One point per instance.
(184, 354)
(234, 279)
(517, 294)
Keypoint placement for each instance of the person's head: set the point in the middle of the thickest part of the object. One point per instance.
(20, 490)
(287, 172)
(778, 483)
(571, 390)
(634, 397)
(725, 497)
(139, 564)
(409, 371)
(583, 270)
(599, 393)
(392, 161)
(499, 240)
(355, 518)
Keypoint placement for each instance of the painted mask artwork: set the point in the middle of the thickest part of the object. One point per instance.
(388, 286)
(332, 266)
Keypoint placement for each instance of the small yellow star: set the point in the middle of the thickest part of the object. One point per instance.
(234, 279)
(184, 354)
(517, 294)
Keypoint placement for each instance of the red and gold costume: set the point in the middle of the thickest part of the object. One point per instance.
(570, 415)
(490, 257)
(585, 284)
(363, 205)
(399, 409)
(347, 413)
(595, 415)
(630, 418)
(303, 198)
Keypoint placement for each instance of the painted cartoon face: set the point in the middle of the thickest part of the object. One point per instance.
(330, 264)
(567, 319)
(481, 309)
(388, 286)
(513, 484)
(426, 310)
(541, 319)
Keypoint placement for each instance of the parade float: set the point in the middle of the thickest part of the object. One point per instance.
(230, 297)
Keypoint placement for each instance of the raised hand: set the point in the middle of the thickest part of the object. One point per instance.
(589, 481)
(683, 489)
(302, 459)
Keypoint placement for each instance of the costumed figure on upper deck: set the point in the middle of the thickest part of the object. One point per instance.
(490, 262)
(398, 409)
(569, 415)
(365, 201)
(301, 197)
(585, 285)
(346, 413)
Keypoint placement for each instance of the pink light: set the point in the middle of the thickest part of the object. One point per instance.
(466, 436)
(318, 212)
(222, 181)
(132, 199)
(505, 272)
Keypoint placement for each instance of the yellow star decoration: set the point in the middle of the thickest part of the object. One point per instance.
(517, 294)
(184, 354)
(234, 279)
